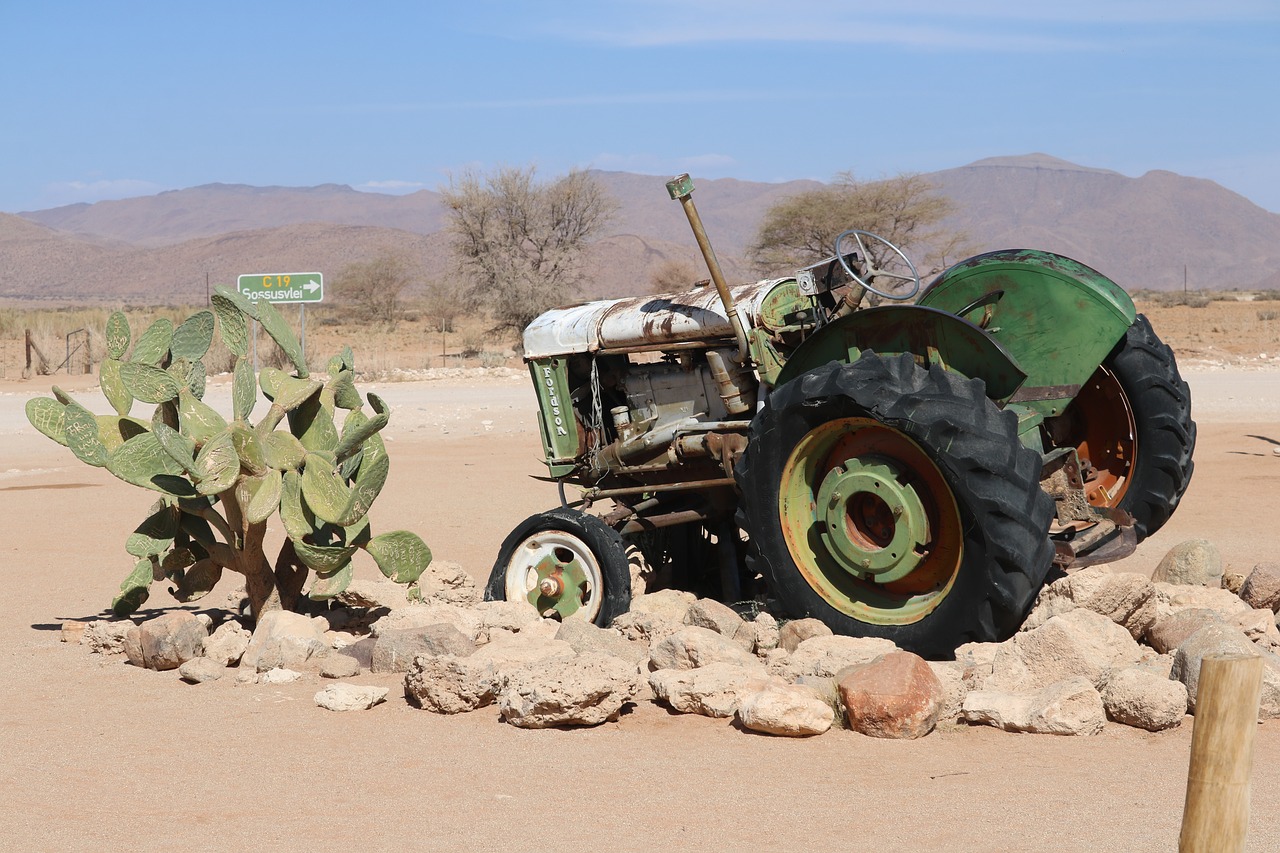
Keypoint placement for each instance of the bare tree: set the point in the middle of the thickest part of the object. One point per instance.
(375, 287)
(674, 275)
(519, 244)
(905, 210)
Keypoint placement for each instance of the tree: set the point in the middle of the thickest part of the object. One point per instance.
(674, 275)
(519, 244)
(802, 229)
(375, 286)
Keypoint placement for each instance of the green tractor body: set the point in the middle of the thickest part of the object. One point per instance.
(912, 471)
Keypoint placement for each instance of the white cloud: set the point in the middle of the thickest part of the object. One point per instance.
(75, 192)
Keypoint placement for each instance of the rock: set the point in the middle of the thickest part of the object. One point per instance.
(450, 685)
(1126, 598)
(245, 677)
(778, 662)
(374, 594)
(1260, 627)
(167, 641)
(102, 636)
(1071, 707)
(1232, 579)
(279, 675)
(1172, 599)
(394, 651)
(340, 639)
(950, 675)
(712, 690)
(350, 697)
(447, 582)
(73, 632)
(793, 710)
(829, 654)
(1141, 698)
(1171, 631)
(1078, 642)
(1195, 562)
(711, 614)
(338, 665)
(227, 644)
(505, 616)
(284, 639)
(1261, 590)
(584, 691)
(767, 633)
(543, 629)
(361, 651)
(692, 647)
(469, 622)
(586, 637)
(656, 616)
(795, 632)
(1209, 640)
(200, 670)
(894, 696)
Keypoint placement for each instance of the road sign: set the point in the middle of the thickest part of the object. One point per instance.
(283, 287)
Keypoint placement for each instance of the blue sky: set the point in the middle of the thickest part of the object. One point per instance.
(107, 100)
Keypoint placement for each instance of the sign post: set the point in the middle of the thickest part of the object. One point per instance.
(283, 288)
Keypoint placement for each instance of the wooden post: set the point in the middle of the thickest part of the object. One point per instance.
(1215, 816)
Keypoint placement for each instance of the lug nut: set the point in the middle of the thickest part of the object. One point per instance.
(550, 587)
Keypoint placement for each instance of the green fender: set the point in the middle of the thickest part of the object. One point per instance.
(1056, 317)
(931, 335)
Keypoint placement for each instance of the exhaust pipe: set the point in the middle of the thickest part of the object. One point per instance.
(681, 190)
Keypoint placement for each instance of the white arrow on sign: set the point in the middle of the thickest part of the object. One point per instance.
(311, 286)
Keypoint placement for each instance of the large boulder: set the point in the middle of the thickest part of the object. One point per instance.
(1172, 630)
(713, 690)
(828, 654)
(692, 647)
(1226, 640)
(1078, 642)
(792, 634)
(1195, 562)
(711, 614)
(167, 641)
(228, 642)
(448, 684)
(584, 691)
(394, 651)
(894, 696)
(1070, 707)
(1142, 698)
(586, 637)
(791, 710)
(1126, 598)
(286, 640)
(1261, 589)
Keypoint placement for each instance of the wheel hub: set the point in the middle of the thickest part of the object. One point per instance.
(872, 524)
(559, 586)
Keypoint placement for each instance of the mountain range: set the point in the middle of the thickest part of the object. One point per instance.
(1145, 232)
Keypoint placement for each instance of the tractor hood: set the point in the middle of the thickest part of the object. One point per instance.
(643, 322)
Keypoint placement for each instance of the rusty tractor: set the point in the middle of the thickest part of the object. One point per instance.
(913, 470)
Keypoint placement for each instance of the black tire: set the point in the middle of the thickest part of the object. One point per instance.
(567, 535)
(1166, 435)
(999, 552)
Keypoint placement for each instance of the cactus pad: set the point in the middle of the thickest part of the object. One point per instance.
(148, 384)
(402, 556)
(135, 589)
(231, 323)
(117, 336)
(153, 344)
(49, 417)
(155, 535)
(217, 465)
(192, 338)
(327, 587)
(113, 387)
(244, 394)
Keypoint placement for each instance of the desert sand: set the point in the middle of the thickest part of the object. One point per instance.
(99, 755)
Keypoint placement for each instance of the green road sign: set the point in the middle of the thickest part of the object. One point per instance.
(283, 287)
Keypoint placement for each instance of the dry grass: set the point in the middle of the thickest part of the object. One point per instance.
(414, 344)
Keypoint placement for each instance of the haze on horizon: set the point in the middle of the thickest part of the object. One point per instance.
(116, 100)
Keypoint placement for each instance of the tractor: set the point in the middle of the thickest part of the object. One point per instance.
(915, 468)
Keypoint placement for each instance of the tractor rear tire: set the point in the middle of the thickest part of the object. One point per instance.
(570, 544)
(1166, 435)
(848, 462)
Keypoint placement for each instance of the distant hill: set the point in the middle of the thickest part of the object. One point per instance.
(1140, 231)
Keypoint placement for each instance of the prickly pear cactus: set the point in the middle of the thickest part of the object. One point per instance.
(219, 482)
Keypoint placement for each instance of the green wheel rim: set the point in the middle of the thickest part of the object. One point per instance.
(557, 573)
(870, 521)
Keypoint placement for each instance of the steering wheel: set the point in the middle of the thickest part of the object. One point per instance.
(872, 272)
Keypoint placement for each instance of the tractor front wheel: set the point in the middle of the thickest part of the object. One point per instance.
(895, 501)
(566, 565)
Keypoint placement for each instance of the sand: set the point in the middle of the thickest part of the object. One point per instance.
(98, 755)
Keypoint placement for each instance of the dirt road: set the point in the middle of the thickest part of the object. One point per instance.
(98, 755)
